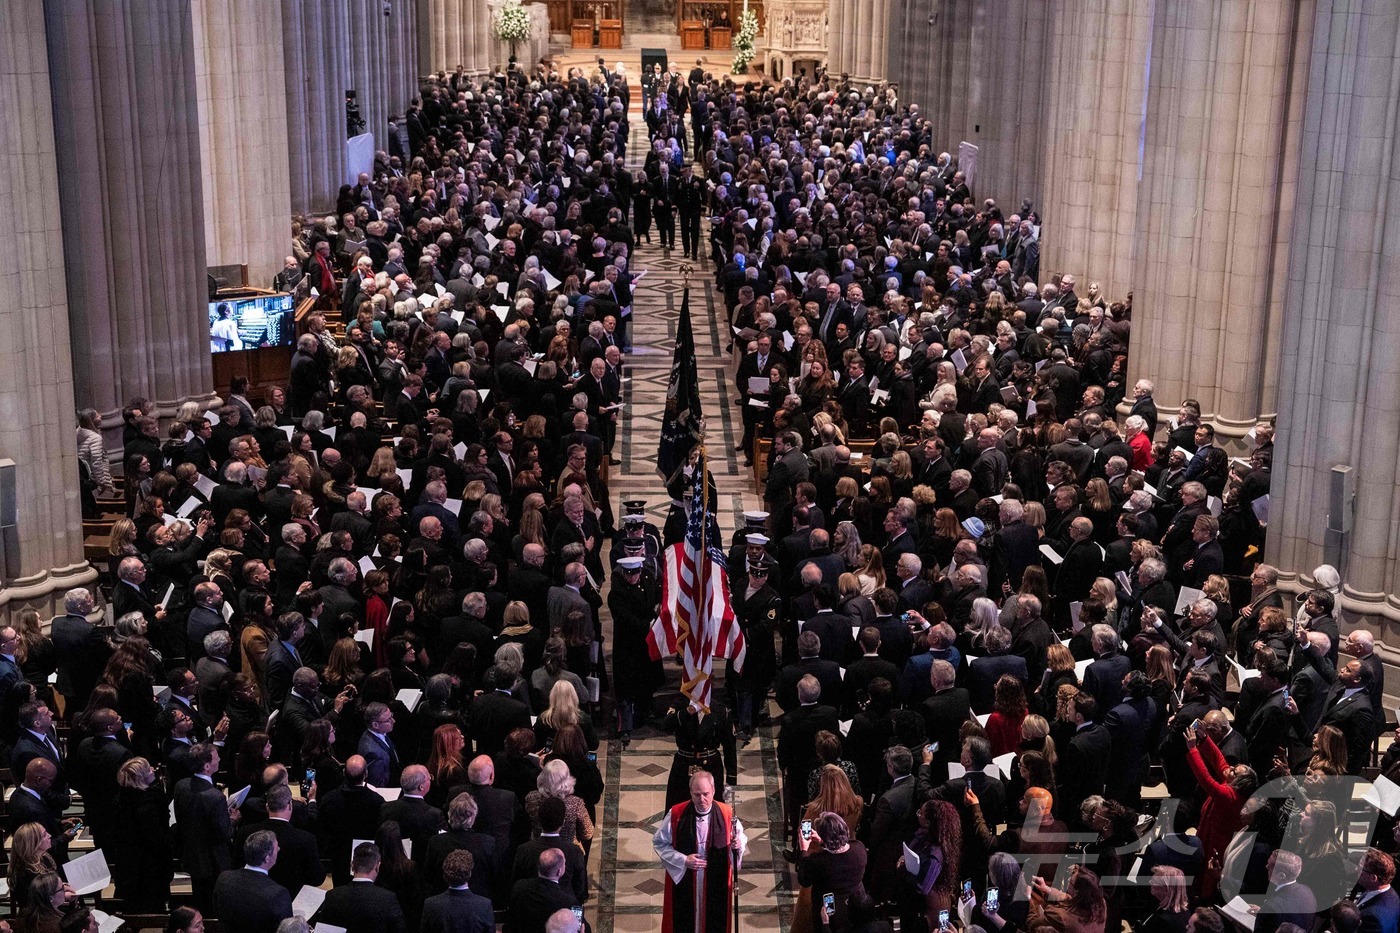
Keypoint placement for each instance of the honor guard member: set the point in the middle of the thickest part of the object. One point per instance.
(751, 552)
(634, 600)
(635, 542)
(682, 489)
(753, 522)
(756, 608)
(638, 507)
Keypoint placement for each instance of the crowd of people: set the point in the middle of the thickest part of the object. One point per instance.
(979, 594)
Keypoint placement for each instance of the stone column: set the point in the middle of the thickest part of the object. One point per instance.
(1340, 381)
(368, 49)
(1096, 101)
(315, 36)
(403, 58)
(454, 32)
(938, 54)
(43, 553)
(1224, 109)
(837, 40)
(855, 21)
(247, 191)
(879, 40)
(126, 126)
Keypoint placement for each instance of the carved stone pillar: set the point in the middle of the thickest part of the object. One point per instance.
(939, 55)
(127, 134)
(247, 191)
(1339, 381)
(315, 39)
(1098, 93)
(1224, 111)
(43, 553)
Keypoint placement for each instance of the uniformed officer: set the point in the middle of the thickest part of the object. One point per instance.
(634, 600)
(753, 521)
(756, 608)
(690, 200)
(636, 509)
(634, 542)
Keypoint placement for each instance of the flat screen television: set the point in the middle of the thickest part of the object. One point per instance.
(250, 323)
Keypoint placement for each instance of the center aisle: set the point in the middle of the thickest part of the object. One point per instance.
(623, 867)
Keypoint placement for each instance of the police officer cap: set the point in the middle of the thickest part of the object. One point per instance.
(634, 506)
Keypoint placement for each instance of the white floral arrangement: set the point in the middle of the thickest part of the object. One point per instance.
(513, 23)
(744, 40)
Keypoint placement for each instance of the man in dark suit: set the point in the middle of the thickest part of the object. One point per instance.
(1350, 711)
(1081, 566)
(418, 819)
(901, 542)
(944, 713)
(527, 857)
(29, 804)
(854, 396)
(1208, 559)
(913, 591)
(1288, 899)
(349, 812)
(281, 661)
(809, 662)
(458, 909)
(298, 856)
(248, 898)
(496, 713)
(1144, 407)
(1082, 769)
(1376, 899)
(80, 650)
(534, 900)
(984, 672)
(788, 468)
(95, 763)
(833, 628)
(131, 595)
(1131, 725)
(1270, 727)
(499, 813)
(382, 762)
(361, 906)
(893, 823)
(866, 668)
(37, 739)
(206, 616)
(797, 752)
(1178, 542)
(1104, 677)
(203, 825)
(896, 638)
(1019, 541)
(234, 494)
(461, 837)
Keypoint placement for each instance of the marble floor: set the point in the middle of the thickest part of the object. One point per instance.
(626, 874)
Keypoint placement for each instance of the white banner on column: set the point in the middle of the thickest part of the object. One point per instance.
(967, 163)
(359, 157)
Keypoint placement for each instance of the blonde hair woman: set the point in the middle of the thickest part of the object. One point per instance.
(556, 781)
(871, 572)
(30, 857)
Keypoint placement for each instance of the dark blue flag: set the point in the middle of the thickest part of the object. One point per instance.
(680, 429)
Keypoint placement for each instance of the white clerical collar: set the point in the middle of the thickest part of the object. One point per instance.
(261, 871)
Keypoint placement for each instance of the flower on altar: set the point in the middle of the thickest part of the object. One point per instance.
(513, 22)
(744, 40)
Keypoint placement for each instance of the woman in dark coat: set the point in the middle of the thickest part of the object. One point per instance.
(142, 859)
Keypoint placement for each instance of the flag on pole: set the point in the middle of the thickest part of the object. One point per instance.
(697, 621)
(680, 429)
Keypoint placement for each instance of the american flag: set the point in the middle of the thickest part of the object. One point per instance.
(697, 621)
